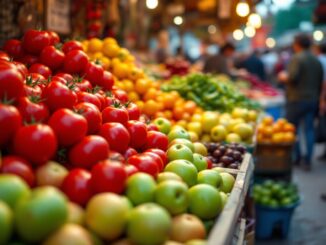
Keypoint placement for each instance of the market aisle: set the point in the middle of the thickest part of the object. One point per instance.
(309, 221)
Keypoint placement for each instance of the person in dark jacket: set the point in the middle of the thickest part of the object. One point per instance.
(254, 65)
(303, 81)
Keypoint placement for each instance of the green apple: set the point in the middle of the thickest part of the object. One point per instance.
(218, 169)
(197, 242)
(186, 227)
(209, 120)
(209, 177)
(204, 201)
(148, 224)
(199, 162)
(224, 198)
(240, 113)
(106, 215)
(193, 136)
(185, 142)
(200, 148)
(51, 173)
(6, 223)
(233, 138)
(179, 151)
(252, 115)
(12, 189)
(178, 133)
(227, 182)
(140, 188)
(172, 195)
(164, 176)
(195, 127)
(76, 214)
(218, 133)
(163, 124)
(185, 169)
(70, 234)
(44, 211)
(244, 130)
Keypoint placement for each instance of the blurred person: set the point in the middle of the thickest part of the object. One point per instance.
(254, 65)
(303, 81)
(163, 44)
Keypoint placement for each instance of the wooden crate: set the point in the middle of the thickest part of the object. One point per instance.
(226, 229)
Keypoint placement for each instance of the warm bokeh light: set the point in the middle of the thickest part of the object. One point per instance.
(178, 20)
(318, 35)
(270, 42)
(254, 20)
(250, 31)
(242, 9)
(237, 34)
(151, 4)
(211, 29)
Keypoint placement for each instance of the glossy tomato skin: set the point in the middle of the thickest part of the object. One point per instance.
(71, 45)
(52, 57)
(34, 83)
(4, 56)
(19, 166)
(32, 111)
(40, 69)
(90, 98)
(21, 67)
(156, 159)
(152, 127)
(90, 150)
(66, 76)
(116, 156)
(130, 152)
(93, 72)
(116, 135)
(130, 169)
(106, 82)
(75, 62)
(58, 95)
(76, 185)
(121, 95)
(158, 140)
(54, 37)
(83, 85)
(138, 133)
(92, 114)
(10, 122)
(144, 163)
(133, 111)
(14, 48)
(68, 126)
(36, 143)
(108, 176)
(160, 153)
(34, 41)
(11, 81)
(113, 114)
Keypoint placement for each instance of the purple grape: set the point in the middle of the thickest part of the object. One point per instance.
(217, 153)
(222, 148)
(226, 160)
(237, 155)
(233, 165)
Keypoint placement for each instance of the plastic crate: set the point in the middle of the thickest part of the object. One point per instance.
(270, 220)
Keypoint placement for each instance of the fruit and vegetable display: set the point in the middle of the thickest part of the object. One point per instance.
(79, 164)
(275, 194)
(280, 131)
(210, 93)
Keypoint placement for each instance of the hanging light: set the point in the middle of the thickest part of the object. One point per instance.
(250, 31)
(254, 20)
(151, 4)
(242, 8)
(211, 29)
(178, 20)
(318, 35)
(270, 42)
(237, 34)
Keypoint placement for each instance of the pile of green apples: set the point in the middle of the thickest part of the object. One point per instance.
(275, 194)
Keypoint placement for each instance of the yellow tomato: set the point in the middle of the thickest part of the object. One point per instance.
(151, 107)
(85, 45)
(133, 96)
(140, 104)
(95, 45)
(97, 55)
(151, 94)
(123, 54)
(129, 85)
(110, 50)
(142, 85)
(110, 40)
(135, 73)
(120, 70)
(105, 62)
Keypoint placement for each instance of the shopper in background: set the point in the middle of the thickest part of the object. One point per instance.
(303, 81)
(254, 65)
(163, 44)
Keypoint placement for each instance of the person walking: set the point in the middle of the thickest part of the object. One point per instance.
(303, 81)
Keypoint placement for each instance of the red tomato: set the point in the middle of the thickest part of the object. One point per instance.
(32, 110)
(29, 59)
(68, 126)
(130, 169)
(158, 140)
(58, 96)
(93, 72)
(120, 95)
(36, 143)
(209, 163)
(100, 96)
(34, 84)
(21, 67)
(54, 37)
(116, 135)
(160, 153)
(34, 41)
(106, 82)
(92, 115)
(108, 176)
(11, 81)
(41, 69)
(76, 185)
(156, 158)
(90, 150)
(130, 152)
(14, 48)
(10, 121)
(71, 45)
(138, 133)
(75, 62)
(52, 57)
(114, 114)
(4, 56)
(18, 166)
(133, 111)
(152, 127)
(83, 85)
(66, 76)
(144, 163)
(90, 98)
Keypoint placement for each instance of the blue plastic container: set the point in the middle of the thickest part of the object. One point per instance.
(269, 219)
(276, 111)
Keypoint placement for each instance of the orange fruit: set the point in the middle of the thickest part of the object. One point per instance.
(140, 104)
(267, 131)
(289, 137)
(151, 94)
(289, 127)
(142, 85)
(159, 114)
(278, 138)
(276, 128)
(110, 50)
(281, 121)
(190, 107)
(186, 116)
(168, 100)
(151, 107)
(177, 113)
(268, 120)
(168, 114)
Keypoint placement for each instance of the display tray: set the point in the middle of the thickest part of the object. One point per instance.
(227, 229)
